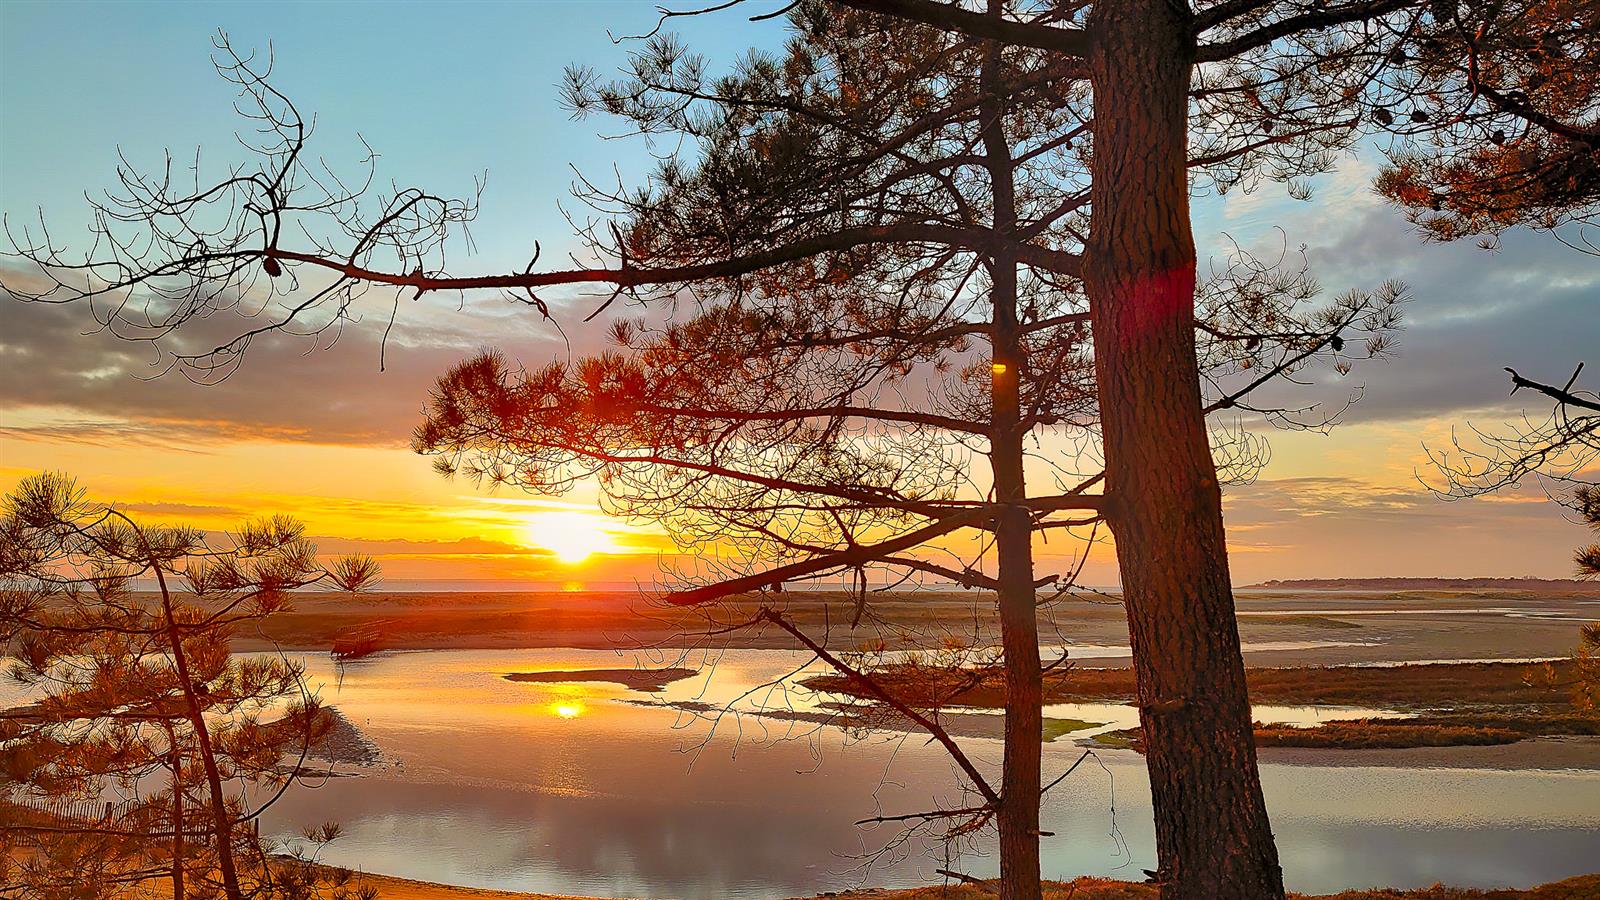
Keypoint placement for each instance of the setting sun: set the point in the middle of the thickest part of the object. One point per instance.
(572, 536)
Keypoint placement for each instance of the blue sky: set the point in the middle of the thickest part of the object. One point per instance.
(446, 92)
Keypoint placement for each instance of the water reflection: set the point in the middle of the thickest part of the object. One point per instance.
(570, 709)
(491, 784)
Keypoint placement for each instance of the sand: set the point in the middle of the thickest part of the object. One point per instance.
(1583, 886)
(1569, 753)
(390, 888)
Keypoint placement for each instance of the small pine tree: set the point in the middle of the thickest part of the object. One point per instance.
(1587, 500)
(150, 747)
(1586, 690)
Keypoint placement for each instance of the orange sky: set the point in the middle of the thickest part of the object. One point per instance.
(1345, 505)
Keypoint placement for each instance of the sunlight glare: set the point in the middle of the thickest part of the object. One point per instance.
(567, 709)
(572, 536)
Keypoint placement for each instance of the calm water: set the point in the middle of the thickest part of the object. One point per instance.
(565, 788)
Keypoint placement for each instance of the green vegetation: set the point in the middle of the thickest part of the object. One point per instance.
(1054, 728)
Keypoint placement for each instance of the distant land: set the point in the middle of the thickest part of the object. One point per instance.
(1564, 585)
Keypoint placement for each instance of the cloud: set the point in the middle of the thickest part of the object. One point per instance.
(99, 389)
(74, 382)
(182, 510)
(1533, 306)
(1333, 526)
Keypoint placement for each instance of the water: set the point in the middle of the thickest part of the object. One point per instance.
(565, 788)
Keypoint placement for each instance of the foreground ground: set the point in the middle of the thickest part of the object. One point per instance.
(1585, 887)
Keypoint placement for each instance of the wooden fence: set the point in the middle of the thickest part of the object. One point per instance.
(43, 813)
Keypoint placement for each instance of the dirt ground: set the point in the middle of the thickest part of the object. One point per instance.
(1586, 887)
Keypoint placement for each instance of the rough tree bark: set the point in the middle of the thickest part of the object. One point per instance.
(1212, 831)
(1019, 624)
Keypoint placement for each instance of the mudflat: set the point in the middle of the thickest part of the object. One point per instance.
(646, 680)
(1344, 627)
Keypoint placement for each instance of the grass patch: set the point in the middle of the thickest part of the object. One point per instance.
(1121, 739)
(1381, 734)
(1054, 728)
(1527, 724)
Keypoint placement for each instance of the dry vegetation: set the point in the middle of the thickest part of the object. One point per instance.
(1491, 703)
(1412, 686)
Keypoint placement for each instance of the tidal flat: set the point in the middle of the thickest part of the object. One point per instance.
(602, 770)
(571, 782)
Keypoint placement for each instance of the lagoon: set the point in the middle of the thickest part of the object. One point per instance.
(591, 788)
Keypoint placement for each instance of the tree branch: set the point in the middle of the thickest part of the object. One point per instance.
(951, 17)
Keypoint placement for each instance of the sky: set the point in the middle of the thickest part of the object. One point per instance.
(450, 93)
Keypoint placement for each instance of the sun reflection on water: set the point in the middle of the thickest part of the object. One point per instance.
(567, 709)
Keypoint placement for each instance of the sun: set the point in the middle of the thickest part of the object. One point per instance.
(572, 536)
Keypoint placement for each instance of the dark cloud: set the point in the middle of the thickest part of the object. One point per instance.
(1534, 305)
(289, 388)
(326, 389)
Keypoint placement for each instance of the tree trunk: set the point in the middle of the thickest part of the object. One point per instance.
(197, 721)
(1212, 832)
(1019, 623)
(178, 848)
(1020, 777)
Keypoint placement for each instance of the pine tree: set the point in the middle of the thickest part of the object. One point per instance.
(140, 705)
